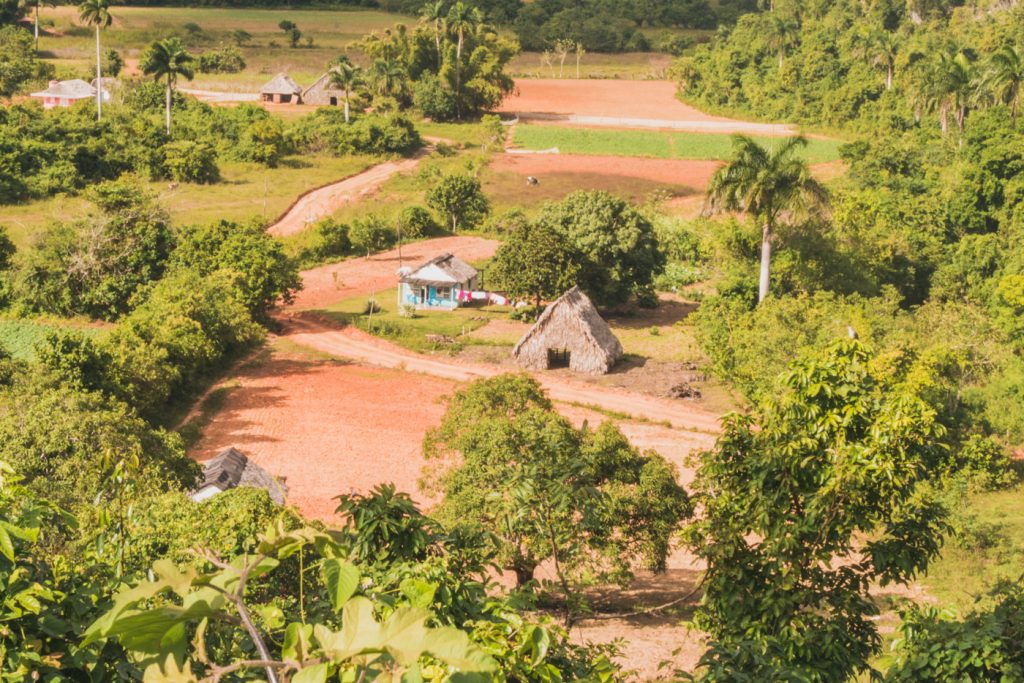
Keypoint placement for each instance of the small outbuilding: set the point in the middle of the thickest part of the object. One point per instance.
(570, 333)
(321, 92)
(442, 282)
(281, 89)
(67, 93)
(230, 469)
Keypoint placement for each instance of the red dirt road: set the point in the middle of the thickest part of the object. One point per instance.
(686, 173)
(324, 201)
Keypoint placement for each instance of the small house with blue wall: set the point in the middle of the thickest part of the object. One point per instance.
(443, 282)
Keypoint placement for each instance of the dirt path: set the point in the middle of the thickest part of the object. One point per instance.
(324, 201)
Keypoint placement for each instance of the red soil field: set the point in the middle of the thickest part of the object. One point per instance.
(618, 98)
(328, 427)
(684, 173)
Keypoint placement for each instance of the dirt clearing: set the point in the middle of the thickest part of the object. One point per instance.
(684, 176)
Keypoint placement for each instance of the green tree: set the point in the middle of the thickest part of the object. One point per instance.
(241, 37)
(167, 59)
(292, 31)
(585, 500)
(346, 77)
(435, 15)
(879, 48)
(371, 234)
(36, 5)
(18, 64)
(1004, 78)
(804, 509)
(535, 262)
(780, 34)
(97, 13)
(615, 244)
(265, 274)
(768, 184)
(460, 199)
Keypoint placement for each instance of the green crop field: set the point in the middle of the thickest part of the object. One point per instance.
(654, 144)
(19, 337)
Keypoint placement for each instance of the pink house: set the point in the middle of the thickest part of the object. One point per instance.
(66, 93)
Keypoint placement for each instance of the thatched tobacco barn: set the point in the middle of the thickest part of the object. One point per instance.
(230, 469)
(570, 333)
(321, 92)
(281, 89)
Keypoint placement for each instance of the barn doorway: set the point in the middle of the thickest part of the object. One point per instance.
(334, 101)
(558, 358)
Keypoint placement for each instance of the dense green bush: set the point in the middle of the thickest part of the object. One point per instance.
(326, 131)
(371, 234)
(95, 265)
(190, 162)
(416, 222)
(226, 59)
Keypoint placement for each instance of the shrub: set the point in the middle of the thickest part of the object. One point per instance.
(190, 162)
(416, 222)
(332, 239)
(226, 59)
(371, 234)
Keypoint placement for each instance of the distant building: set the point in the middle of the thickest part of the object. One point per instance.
(441, 282)
(230, 469)
(67, 93)
(570, 333)
(321, 92)
(281, 89)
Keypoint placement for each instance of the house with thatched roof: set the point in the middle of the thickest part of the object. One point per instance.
(67, 93)
(281, 89)
(442, 282)
(230, 469)
(570, 333)
(321, 92)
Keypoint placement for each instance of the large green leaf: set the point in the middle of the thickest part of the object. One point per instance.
(311, 674)
(341, 579)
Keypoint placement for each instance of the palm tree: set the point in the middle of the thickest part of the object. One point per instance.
(880, 48)
(435, 13)
(781, 33)
(389, 76)
(35, 5)
(346, 77)
(1004, 77)
(97, 13)
(168, 59)
(954, 87)
(767, 184)
(461, 18)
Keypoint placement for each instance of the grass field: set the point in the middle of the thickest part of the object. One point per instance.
(966, 570)
(19, 337)
(247, 191)
(70, 45)
(654, 144)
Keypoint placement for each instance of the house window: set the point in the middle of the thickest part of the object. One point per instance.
(444, 292)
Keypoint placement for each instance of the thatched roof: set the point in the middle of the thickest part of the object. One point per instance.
(441, 271)
(75, 89)
(571, 324)
(231, 468)
(281, 84)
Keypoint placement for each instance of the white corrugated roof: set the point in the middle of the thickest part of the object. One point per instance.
(75, 89)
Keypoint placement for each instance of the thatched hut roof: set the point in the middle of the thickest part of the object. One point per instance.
(281, 84)
(231, 468)
(572, 329)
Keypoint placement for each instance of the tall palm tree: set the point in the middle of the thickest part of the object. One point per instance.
(955, 82)
(97, 13)
(347, 77)
(462, 18)
(879, 48)
(168, 59)
(36, 5)
(1004, 78)
(389, 77)
(769, 185)
(781, 33)
(436, 13)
